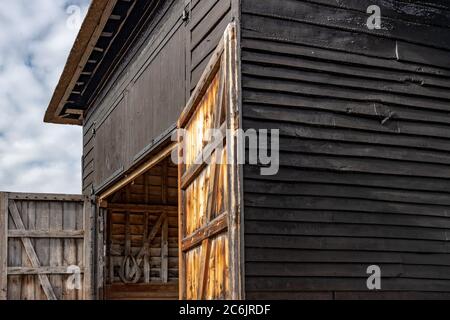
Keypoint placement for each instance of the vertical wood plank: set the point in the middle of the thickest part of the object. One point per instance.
(147, 270)
(23, 209)
(32, 226)
(69, 249)
(27, 281)
(79, 243)
(182, 268)
(56, 246)
(87, 249)
(240, 255)
(181, 230)
(165, 251)
(188, 55)
(14, 260)
(79, 247)
(100, 253)
(231, 56)
(203, 267)
(42, 245)
(111, 260)
(3, 246)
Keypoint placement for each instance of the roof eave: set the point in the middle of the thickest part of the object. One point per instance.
(85, 37)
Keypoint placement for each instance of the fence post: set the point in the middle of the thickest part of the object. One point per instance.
(3, 246)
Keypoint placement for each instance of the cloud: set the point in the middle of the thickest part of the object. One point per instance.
(34, 44)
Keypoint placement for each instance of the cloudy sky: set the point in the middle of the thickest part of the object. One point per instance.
(35, 40)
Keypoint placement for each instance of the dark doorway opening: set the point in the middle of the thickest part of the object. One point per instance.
(142, 237)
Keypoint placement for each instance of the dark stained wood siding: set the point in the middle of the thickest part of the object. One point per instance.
(364, 122)
(209, 18)
(147, 93)
(141, 101)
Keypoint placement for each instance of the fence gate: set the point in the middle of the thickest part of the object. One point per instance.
(209, 184)
(45, 247)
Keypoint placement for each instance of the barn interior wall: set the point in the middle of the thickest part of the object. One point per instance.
(364, 124)
(147, 204)
(134, 108)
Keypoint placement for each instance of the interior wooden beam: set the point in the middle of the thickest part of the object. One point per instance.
(166, 152)
(141, 207)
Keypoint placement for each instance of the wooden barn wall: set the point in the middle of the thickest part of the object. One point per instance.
(208, 21)
(147, 94)
(364, 122)
(140, 102)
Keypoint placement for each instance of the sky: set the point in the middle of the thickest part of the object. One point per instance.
(35, 40)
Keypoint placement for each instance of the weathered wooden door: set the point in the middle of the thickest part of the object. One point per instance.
(209, 183)
(45, 247)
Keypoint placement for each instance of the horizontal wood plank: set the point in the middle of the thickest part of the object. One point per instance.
(140, 207)
(41, 270)
(215, 227)
(76, 234)
(46, 197)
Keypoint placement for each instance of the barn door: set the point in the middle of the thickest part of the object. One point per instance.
(209, 188)
(44, 247)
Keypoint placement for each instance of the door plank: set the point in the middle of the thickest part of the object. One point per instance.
(203, 267)
(147, 266)
(234, 189)
(218, 225)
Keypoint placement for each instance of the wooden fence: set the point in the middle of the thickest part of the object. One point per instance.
(44, 247)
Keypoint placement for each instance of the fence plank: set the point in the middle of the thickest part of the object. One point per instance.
(45, 197)
(46, 234)
(56, 247)
(14, 260)
(3, 246)
(41, 270)
(69, 249)
(27, 282)
(42, 245)
(87, 250)
(30, 251)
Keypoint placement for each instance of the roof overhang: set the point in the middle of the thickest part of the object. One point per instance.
(105, 37)
(96, 19)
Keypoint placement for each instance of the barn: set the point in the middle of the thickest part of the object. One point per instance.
(362, 113)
